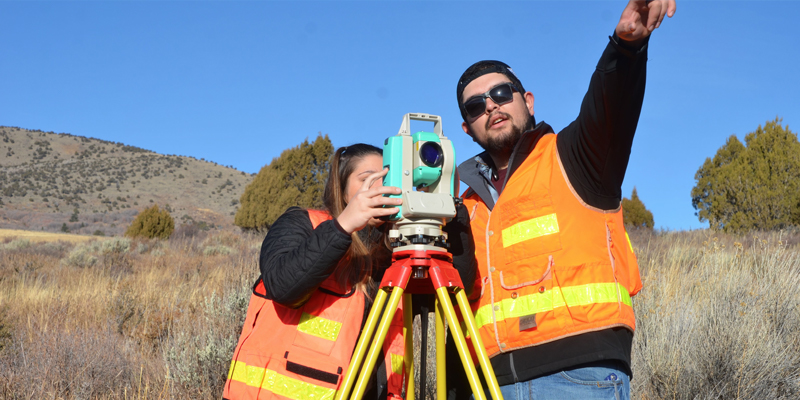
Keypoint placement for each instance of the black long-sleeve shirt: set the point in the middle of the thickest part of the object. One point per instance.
(594, 151)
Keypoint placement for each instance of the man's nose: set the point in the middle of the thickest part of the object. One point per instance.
(490, 105)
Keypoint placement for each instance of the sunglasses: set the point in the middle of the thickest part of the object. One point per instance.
(500, 94)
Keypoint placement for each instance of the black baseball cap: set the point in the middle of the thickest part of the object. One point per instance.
(481, 68)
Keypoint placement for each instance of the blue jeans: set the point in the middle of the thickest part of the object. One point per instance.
(595, 382)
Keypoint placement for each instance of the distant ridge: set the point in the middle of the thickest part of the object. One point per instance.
(92, 185)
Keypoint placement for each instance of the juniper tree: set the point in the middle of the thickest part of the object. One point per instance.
(296, 178)
(635, 214)
(752, 185)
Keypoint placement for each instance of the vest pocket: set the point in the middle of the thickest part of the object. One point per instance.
(313, 370)
(527, 297)
(587, 293)
(529, 228)
(293, 377)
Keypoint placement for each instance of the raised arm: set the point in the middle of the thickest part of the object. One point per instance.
(595, 148)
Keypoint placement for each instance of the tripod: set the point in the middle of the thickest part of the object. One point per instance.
(420, 268)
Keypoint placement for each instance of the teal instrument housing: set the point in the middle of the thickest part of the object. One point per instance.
(393, 159)
(422, 165)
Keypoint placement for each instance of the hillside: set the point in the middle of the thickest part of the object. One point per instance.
(49, 179)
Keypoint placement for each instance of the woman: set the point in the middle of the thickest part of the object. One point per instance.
(319, 273)
(319, 270)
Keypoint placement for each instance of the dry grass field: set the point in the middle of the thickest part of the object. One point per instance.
(122, 319)
(114, 318)
(43, 237)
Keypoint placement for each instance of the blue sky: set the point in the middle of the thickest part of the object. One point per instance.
(238, 82)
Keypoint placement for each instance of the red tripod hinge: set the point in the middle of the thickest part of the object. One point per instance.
(437, 266)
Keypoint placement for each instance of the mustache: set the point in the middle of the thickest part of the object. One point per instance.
(494, 116)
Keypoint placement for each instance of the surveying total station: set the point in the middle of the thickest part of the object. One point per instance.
(422, 165)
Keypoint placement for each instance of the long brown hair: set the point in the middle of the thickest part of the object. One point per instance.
(370, 245)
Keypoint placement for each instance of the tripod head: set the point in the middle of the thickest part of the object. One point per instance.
(423, 166)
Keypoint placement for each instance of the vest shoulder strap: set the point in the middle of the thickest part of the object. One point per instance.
(317, 217)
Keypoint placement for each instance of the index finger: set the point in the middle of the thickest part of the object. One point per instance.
(654, 14)
(372, 177)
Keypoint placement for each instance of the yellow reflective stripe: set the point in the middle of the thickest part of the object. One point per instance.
(571, 296)
(237, 371)
(397, 364)
(230, 370)
(277, 383)
(629, 242)
(295, 389)
(592, 293)
(530, 229)
(320, 327)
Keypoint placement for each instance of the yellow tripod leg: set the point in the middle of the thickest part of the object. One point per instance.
(477, 343)
(408, 335)
(361, 346)
(441, 364)
(377, 343)
(461, 344)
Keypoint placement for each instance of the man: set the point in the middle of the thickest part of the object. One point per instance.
(555, 268)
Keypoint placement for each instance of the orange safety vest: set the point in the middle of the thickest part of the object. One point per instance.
(303, 353)
(549, 265)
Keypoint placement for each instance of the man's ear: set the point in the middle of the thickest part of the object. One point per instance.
(529, 102)
(465, 127)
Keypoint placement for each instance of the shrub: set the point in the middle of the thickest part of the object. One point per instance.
(142, 248)
(116, 245)
(16, 244)
(152, 223)
(199, 357)
(81, 256)
(214, 250)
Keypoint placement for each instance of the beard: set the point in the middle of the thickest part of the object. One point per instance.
(504, 142)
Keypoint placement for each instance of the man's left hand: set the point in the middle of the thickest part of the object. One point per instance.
(641, 17)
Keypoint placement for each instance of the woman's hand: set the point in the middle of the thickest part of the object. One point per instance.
(368, 203)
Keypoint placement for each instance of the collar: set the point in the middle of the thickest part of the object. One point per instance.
(477, 171)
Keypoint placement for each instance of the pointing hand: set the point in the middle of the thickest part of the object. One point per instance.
(641, 17)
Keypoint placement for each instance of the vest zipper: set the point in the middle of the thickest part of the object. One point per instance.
(489, 274)
(613, 266)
